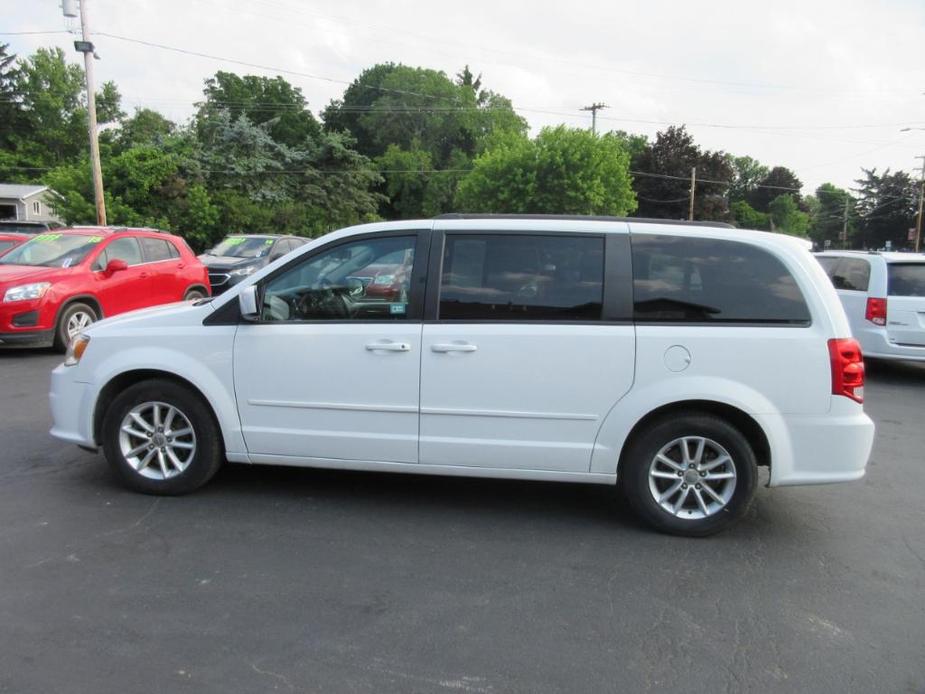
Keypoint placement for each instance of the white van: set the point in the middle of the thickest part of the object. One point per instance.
(884, 298)
(672, 358)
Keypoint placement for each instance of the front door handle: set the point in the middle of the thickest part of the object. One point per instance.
(453, 347)
(388, 347)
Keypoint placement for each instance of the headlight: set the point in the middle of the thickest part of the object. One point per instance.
(76, 350)
(244, 271)
(23, 292)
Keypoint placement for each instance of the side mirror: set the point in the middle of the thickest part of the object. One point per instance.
(115, 265)
(247, 302)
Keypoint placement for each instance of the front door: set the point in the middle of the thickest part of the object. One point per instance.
(127, 289)
(525, 358)
(331, 369)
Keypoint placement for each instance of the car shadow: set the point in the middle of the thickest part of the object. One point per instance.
(895, 372)
(28, 352)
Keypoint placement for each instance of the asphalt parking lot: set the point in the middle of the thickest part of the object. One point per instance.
(303, 580)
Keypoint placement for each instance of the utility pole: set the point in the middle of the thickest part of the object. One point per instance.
(594, 108)
(844, 224)
(690, 213)
(918, 219)
(85, 46)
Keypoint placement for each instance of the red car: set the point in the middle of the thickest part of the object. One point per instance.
(57, 283)
(9, 241)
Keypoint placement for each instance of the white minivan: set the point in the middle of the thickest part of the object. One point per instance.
(670, 360)
(884, 299)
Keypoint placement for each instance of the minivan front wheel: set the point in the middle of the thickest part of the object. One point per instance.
(690, 475)
(161, 438)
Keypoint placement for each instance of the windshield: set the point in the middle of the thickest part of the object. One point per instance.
(52, 250)
(906, 279)
(243, 247)
(5, 246)
(23, 227)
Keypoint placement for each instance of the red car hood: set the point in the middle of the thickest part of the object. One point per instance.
(24, 274)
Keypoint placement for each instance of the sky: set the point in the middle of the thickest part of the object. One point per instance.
(823, 87)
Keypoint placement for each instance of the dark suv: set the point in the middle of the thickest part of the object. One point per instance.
(21, 226)
(240, 255)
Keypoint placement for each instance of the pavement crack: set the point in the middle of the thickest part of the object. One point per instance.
(134, 525)
(270, 673)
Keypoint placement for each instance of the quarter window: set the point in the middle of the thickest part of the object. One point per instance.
(852, 274)
(512, 277)
(155, 249)
(361, 280)
(698, 280)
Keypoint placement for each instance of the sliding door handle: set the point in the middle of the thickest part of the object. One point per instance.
(388, 347)
(453, 347)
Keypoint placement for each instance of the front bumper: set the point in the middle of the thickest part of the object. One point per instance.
(28, 338)
(72, 406)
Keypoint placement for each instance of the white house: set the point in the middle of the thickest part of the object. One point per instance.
(25, 202)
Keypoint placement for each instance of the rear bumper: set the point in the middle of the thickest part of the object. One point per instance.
(71, 408)
(821, 449)
(876, 345)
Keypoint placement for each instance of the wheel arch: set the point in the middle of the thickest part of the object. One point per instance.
(198, 286)
(127, 379)
(741, 420)
(88, 299)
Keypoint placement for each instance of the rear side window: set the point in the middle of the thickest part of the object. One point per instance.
(906, 279)
(155, 249)
(852, 274)
(828, 264)
(678, 279)
(512, 277)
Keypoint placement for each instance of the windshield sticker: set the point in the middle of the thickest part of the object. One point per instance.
(47, 237)
(397, 309)
(235, 240)
(268, 242)
(384, 279)
(67, 262)
(95, 239)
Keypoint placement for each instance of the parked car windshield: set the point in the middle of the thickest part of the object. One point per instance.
(242, 247)
(906, 279)
(52, 250)
(22, 227)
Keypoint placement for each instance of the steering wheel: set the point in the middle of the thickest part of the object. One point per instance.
(323, 301)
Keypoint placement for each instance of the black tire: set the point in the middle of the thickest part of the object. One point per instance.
(194, 294)
(62, 339)
(640, 456)
(206, 457)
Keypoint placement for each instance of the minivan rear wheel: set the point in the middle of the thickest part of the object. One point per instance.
(691, 475)
(159, 437)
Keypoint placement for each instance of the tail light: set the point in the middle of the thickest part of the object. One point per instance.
(876, 311)
(847, 368)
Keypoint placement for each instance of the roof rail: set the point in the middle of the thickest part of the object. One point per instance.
(583, 218)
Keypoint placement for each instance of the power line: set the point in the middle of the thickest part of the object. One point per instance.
(33, 33)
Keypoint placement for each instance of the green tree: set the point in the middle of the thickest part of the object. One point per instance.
(747, 217)
(145, 127)
(886, 206)
(828, 215)
(779, 181)
(669, 160)
(269, 101)
(563, 170)
(786, 216)
(747, 174)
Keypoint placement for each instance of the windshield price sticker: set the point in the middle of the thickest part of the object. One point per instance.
(235, 240)
(268, 242)
(95, 239)
(47, 237)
